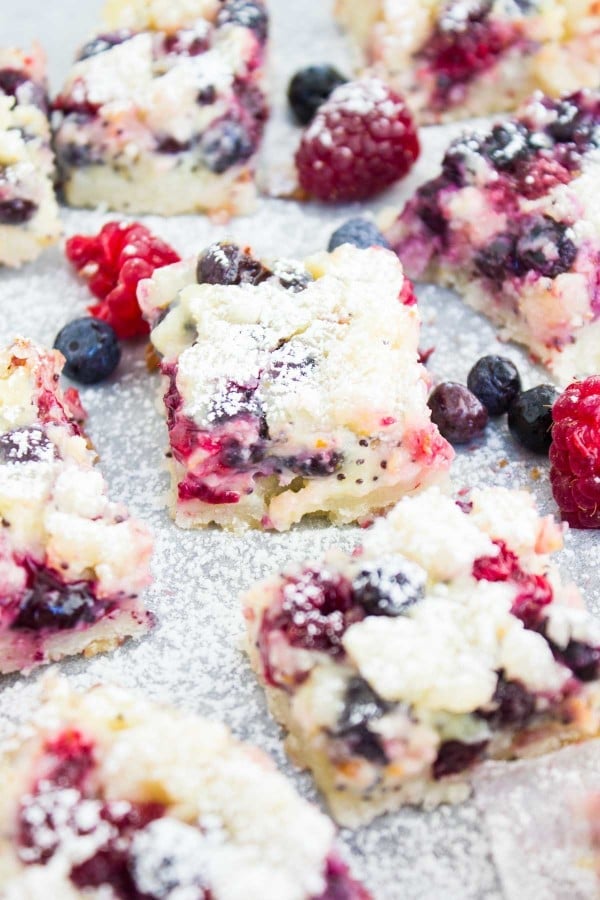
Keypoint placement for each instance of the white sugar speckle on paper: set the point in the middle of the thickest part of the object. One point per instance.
(194, 657)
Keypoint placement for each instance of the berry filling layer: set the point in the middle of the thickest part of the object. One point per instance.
(467, 41)
(72, 564)
(129, 123)
(96, 803)
(447, 638)
(510, 222)
(286, 395)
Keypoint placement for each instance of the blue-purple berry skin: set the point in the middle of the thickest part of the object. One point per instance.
(246, 14)
(104, 42)
(17, 211)
(310, 88)
(455, 756)
(50, 603)
(361, 707)
(226, 263)
(458, 414)
(388, 590)
(359, 232)
(91, 350)
(545, 247)
(225, 144)
(512, 705)
(530, 417)
(495, 381)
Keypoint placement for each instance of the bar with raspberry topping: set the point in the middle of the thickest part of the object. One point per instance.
(164, 111)
(291, 389)
(512, 223)
(72, 563)
(95, 802)
(29, 219)
(458, 58)
(445, 639)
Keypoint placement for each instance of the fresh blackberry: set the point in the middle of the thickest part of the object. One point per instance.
(495, 381)
(310, 88)
(530, 417)
(458, 414)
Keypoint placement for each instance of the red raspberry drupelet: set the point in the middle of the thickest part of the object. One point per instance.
(113, 262)
(361, 141)
(575, 453)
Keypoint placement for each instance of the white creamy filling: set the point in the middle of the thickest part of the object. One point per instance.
(446, 652)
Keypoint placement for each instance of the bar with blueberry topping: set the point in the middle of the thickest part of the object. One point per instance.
(512, 223)
(445, 639)
(291, 389)
(458, 58)
(95, 802)
(164, 111)
(72, 563)
(29, 219)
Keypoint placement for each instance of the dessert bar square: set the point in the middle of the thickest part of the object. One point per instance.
(291, 389)
(459, 58)
(445, 639)
(96, 803)
(512, 223)
(164, 111)
(72, 563)
(29, 219)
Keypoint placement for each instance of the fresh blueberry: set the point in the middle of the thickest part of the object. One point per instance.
(427, 205)
(573, 123)
(103, 42)
(17, 211)
(170, 145)
(506, 145)
(11, 80)
(90, 348)
(77, 156)
(360, 232)
(246, 13)
(512, 704)
(326, 462)
(226, 263)
(495, 381)
(361, 707)
(25, 445)
(49, 602)
(236, 455)
(224, 144)
(496, 259)
(455, 756)
(310, 88)
(16, 84)
(458, 414)
(530, 417)
(582, 659)
(292, 276)
(206, 96)
(545, 247)
(389, 588)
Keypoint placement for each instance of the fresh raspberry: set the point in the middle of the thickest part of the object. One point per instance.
(113, 262)
(361, 141)
(575, 453)
(535, 591)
